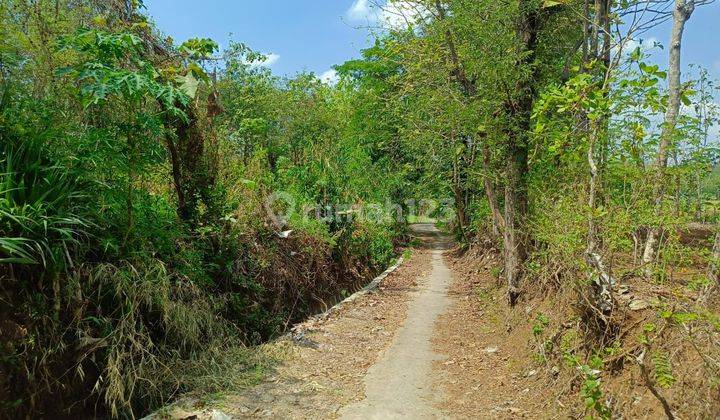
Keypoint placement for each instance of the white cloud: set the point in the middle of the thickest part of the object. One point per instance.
(390, 14)
(630, 45)
(399, 14)
(361, 10)
(644, 44)
(330, 77)
(269, 61)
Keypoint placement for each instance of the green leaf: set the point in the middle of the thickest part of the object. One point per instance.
(198, 72)
(551, 3)
(199, 48)
(64, 71)
(188, 84)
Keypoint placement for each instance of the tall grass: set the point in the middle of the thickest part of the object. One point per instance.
(38, 224)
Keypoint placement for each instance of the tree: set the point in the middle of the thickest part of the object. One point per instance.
(682, 12)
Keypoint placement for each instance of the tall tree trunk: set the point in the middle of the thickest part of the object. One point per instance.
(586, 35)
(458, 71)
(498, 224)
(607, 39)
(592, 197)
(469, 90)
(515, 213)
(682, 12)
(516, 197)
(596, 129)
(460, 198)
(703, 115)
(596, 28)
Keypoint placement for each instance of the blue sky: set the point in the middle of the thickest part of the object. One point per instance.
(314, 35)
(701, 39)
(301, 34)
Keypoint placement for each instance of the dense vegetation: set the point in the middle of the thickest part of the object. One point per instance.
(137, 245)
(139, 248)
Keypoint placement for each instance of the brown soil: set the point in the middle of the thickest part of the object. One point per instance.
(487, 373)
(324, 371)
(494, 369)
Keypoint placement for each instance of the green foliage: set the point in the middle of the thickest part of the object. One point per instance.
(102, 76)
(135, 233)
(663, 370)
(198, 48)
(109, 277)
(39, 202)
(541, 323)
(591, 389)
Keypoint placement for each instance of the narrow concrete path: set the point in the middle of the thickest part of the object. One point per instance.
(399, 385)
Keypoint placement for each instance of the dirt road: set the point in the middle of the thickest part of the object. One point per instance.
(397, 352)
(399, 384)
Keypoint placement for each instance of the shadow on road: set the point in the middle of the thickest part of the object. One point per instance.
(431, 237)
